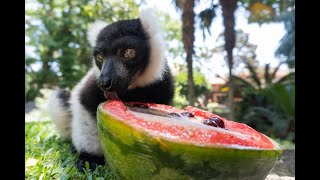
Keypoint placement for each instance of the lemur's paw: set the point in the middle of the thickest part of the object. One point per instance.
(93, 160)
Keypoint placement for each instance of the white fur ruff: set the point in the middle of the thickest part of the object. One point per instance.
(84, 127)
(59, 115)
(94, 31)
(157, 61)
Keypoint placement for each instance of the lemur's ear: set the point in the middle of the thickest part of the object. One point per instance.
(94, 31)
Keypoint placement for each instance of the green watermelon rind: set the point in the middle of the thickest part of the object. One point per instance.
(135, 154)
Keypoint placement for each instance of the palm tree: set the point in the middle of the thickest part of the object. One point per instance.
(188, 16)
(228, 9)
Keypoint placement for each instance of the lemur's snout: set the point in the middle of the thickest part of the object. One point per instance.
(105, 83)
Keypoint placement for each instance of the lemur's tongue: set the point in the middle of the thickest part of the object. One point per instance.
(111, 95)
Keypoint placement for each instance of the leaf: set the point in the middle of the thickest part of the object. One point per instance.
(267, 76)
(287, 78)
(243, 81)
(206, 17)
(260, 12)
(273, 75)
(253, 74)
(283, 96)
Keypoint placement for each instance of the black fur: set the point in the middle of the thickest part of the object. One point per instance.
(94, 161)
(160, 92)
(64, 96)
(91, 96)
(111, 44)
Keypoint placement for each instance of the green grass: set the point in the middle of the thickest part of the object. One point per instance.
(285, 144)
(47, 156)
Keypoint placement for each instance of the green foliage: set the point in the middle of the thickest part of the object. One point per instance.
(284, 144)
(201, 86)
(206, 17)
(268, 105)
(173, 34)
(244, 51)
(287, 42)
(57, 30)
(262, 11)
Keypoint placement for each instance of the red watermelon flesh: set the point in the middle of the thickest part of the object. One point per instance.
(189, 129)
(155, 141)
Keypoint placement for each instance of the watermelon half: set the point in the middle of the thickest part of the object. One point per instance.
(155, 141)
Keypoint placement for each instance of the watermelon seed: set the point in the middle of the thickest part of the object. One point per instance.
(215, 122)
(174, 114)
(187, 114)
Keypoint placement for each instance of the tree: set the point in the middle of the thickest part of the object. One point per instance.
(188, 16)
(57, 32)
(206, 17)
(201, 88)
(228, 9)
(173, 35)
(286, 48)
(244, 50)
(265, 11)
(261, 11)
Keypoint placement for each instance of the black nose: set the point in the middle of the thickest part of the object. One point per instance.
(105, 84)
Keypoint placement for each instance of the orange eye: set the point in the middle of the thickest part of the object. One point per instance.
(100, 57)
(129, 53)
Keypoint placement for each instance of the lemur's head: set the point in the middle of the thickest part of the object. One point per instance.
(127, 53)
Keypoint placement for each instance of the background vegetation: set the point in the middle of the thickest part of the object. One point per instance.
(60, 56)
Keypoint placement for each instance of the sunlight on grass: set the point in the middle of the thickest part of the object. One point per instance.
(47, 156)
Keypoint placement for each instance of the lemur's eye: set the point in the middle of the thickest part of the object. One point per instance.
(100, 57)
(129, 53)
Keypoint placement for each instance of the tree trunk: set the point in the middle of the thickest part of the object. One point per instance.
(228, 9)
(188, 16)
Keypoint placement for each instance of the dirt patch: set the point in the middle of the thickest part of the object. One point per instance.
(285, 169)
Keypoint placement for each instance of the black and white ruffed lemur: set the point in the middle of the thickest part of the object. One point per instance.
(129, 63)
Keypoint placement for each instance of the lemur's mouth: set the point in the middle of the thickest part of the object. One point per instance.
(111, 95)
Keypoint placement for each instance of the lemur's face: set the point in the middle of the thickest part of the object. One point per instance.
(128, 54)
(121, 53)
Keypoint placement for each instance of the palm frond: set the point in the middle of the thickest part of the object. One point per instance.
(267, 76)
(206, 17)
(177, 4)
(283, 97)
(243, 81)
(254, 75)
(273, 75)
(290, 77)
